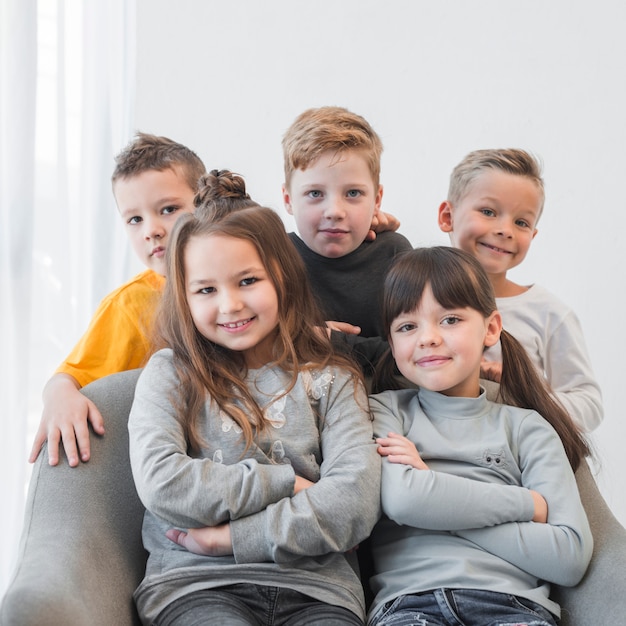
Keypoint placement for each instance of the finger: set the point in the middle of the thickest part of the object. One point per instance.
(94, 416)
(54, 439)
(40, 437)
(177, 536)
(69, 444)
(82, 438)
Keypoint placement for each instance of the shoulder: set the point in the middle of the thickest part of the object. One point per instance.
(534, 295)
(159, 364)
(392, 241)
(145, 285)
(520, 421)
(393, 400)
(328, 381)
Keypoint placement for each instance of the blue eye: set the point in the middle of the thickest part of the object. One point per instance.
(135, 220)
(488, 212)
(314, 193)
(168, 210)
(354, 193)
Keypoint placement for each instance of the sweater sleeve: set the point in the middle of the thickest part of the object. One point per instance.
(568, 370)
(186, 491)
(339, 510)
(436, 500)
(560, 550)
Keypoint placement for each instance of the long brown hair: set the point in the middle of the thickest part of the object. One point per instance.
(457, 280)
(208, 370)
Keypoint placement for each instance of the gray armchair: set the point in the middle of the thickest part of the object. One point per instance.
(81, 555)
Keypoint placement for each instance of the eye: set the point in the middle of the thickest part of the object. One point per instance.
(354, 193)
(488, 212)
(406, 327)
(522, 223)
(451, 320)
(134, 220)
(206, 290)
(250, 280)
(314, 193)
(169, 210)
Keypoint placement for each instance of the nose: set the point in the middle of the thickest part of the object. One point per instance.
(153, 229)
(334, 209)
(429, 336)
(504, 228)
(229, 301)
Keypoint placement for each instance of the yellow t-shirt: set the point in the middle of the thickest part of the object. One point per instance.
(117, 338)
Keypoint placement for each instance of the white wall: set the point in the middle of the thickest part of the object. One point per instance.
(436, 80)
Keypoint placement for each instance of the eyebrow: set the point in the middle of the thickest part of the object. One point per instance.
(246, 272)
(160, 202)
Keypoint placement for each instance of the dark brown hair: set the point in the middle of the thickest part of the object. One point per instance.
(457, 280)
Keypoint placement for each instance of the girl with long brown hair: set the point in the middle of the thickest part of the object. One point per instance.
(251, 441)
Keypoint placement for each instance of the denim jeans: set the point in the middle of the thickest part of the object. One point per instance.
(461, 607)
(253, 605)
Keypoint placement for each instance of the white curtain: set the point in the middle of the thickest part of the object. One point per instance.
(66, 106)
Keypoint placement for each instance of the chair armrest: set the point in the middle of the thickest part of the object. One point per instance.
(81, 556)
(600, 598)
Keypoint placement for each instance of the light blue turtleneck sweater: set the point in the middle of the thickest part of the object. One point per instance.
(466, 522)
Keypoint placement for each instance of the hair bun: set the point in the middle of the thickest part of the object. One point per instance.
(220, 184)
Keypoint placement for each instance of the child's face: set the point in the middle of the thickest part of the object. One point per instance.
(333, 202)
(495, 220)
(231, 297)
(149, 204)
(441, 349)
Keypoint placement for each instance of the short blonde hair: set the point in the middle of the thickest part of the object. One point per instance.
(329, 128)
(511, 161)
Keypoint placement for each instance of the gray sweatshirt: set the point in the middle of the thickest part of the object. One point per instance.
(466, 521)
(321, 431)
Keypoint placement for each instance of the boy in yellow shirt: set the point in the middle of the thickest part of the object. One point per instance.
(154, 181)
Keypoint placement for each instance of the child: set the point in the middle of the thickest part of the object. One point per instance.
(250, 433)
(494, 203)
(482, 508)
(332, 188)
(154, 181)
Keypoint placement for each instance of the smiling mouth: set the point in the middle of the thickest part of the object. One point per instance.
(236, 325)
(157, 251)
(432, 361)
(495, 248)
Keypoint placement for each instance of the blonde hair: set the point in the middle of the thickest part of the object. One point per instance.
(316, 131)
(511, 161)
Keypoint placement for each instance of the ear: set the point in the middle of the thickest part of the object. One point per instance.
(535, 233)
(379, 199)
(493, 329)
(287, 199)
(444, 217)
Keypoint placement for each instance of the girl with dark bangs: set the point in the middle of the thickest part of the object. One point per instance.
(481, 508)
